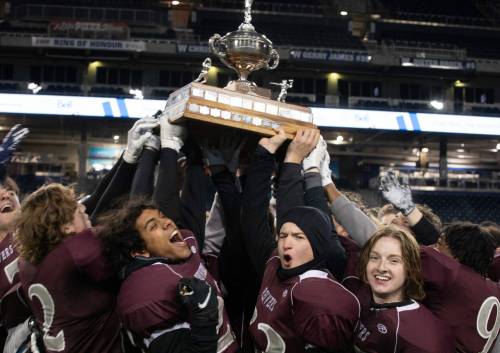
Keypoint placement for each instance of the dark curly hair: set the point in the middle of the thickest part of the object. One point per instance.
(117, 229)
(494, 229)
(471, 244)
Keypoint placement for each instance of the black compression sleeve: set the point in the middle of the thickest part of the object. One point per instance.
(290, 189)
(91, 202)
(194, 200)
(425, 232)
(315, 197)
(143, 184)
(233, 259)
(166, 194)
(257, 236)
(119, 186)
(337, 259)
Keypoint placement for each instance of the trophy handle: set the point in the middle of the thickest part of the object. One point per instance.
(274, 60)
(218, 47)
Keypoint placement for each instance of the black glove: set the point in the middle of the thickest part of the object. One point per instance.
(9, 144)
(199, 299)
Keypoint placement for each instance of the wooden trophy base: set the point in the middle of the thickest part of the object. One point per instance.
(232, 108)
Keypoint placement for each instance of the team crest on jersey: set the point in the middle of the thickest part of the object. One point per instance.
(285, 293)
(381, 328)
(193, 249)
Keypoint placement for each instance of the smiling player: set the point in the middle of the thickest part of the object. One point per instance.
(389, 288)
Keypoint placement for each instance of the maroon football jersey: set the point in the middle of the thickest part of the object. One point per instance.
(400, 327)
(494, 272)
(13, 310)
(307, 310)
(459, 296)
(75, 311)
(148, 305)
(408, 327)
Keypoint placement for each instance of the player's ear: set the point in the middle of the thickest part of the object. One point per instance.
(143, 253)
(68, 228)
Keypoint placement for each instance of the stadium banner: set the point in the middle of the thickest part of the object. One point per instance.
(100, 107)
(442, 64)
(78, 106)
(406, 121)
(329, 55)
(93, 44)
(193, 49)
(86, 29)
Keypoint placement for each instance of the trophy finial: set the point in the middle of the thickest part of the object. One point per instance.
(247, 24)
(248, 11)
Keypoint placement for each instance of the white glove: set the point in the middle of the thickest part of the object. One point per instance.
(316, 156)
(399, 195)
(153, 143)
(171, 136)
(325, 171)
(136, 138)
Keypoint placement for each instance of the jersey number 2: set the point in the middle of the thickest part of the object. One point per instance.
(275, 343)
(483, 317)
(52, 343)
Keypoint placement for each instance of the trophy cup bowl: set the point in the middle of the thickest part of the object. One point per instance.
(245, 51)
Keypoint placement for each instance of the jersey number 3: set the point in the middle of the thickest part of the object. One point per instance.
(52, 343)
(483, 317)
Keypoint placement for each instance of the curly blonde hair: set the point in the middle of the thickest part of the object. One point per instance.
(40, 223)
(414, 284)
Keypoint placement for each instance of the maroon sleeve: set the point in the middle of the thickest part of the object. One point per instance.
(147, 300)
(321, 321)
(494, 272)
(86, 251)
(439, 270)
(146, 319)
(416, 324)
(353, 251)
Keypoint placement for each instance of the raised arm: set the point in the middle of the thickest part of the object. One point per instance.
(143, 184)
(9, 145)
(399, 195)
(359, 226)
(166, 194)
(121, 181)
(90, 201)
(193, 199)
(223, 163)
(315, 197)
(291, 182)
(258, 238)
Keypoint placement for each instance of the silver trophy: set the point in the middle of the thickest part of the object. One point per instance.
(241, 104)
(245, 50)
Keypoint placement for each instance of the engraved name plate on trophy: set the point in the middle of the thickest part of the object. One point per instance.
(241, 104)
